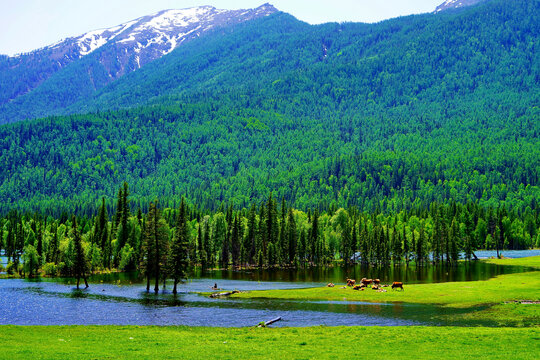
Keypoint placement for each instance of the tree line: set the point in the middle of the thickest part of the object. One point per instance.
(166, 242)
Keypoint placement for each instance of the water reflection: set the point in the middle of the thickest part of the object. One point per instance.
(430, 274)
(121, 299)
(48, 303)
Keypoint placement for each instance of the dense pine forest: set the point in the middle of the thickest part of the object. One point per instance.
(165, 243)
(388, 116)
(278, 143)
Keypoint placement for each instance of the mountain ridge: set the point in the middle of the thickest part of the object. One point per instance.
(124, 48)
(456, 4)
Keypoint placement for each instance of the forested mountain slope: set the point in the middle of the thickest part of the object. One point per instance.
(384, 116)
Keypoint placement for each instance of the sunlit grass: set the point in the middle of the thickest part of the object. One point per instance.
(120, 342)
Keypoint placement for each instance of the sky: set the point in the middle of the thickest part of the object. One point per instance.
(32, 24)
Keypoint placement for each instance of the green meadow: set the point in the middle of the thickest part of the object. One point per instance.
(120, 342)
(513, 332)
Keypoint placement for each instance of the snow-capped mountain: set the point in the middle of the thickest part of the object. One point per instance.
(153, 36)
(118, 50)
(455, 4)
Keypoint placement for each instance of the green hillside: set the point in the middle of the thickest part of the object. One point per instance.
(387, 116)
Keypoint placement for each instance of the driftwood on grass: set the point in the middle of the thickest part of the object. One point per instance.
(227, 293)
(269, 322)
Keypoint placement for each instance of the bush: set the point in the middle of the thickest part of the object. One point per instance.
(63, 269)
(50, 269)
(10, 269)
(127, 258)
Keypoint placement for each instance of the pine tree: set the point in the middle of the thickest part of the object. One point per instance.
(54, 246)
(346, 241)
(124, 214)
(406, 247)
(263, 233)
(251, 238)
(200, 243)
(208, 248)
(235, 242)
(354, 240)
(292, 236)
(271, 221)
(454, 238)
(396, 247)
(79, 262)
(420, 247)
(364, 245)
(39, 241)
(180, 247)
(155, 246)
(101, 233)
(314, 250)
(302, 248)
(436, 243)
(260, 258)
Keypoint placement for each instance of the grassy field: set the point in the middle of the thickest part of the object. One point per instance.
(115, 342)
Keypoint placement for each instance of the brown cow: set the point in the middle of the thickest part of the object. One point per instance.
(366, 281)
(375, 287)
(397, 284)
(376, 282)
(351, 282)
(330, 285)
(357, 287)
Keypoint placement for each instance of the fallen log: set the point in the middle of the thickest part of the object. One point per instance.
(269, 322)
(228, 293)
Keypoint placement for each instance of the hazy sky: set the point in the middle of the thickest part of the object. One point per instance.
(31, 24)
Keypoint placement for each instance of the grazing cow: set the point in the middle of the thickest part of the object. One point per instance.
(376, 282)
(330, 285)
(351, 282)
(357, 287)
(375, 287)
(366, 281)
(397, 284)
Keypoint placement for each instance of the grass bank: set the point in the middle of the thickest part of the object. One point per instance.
(118, 342)
(520, 286)
(496, 296)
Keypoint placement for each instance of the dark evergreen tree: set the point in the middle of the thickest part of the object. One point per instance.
(79, 261)
(180, 247)
(235, 242)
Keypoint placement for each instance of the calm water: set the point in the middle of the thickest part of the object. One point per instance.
(121, 299)
(48, 303)
(511, 254)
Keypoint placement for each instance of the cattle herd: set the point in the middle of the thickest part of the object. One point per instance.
(374, 283)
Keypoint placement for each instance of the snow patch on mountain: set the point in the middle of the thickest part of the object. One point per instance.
(455, 4)
(161, 32)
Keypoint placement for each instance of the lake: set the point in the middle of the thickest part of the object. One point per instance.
(121, 299)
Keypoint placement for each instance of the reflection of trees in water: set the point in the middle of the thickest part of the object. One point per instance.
(426, 274)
